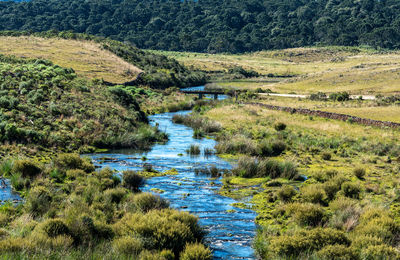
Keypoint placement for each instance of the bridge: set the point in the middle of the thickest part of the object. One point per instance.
(201, 93)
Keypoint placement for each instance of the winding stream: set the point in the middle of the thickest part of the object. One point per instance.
(230, 229)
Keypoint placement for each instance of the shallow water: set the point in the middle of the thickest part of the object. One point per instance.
(6, 192)
(231, 229)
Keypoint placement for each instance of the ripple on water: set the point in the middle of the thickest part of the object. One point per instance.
(230, 229)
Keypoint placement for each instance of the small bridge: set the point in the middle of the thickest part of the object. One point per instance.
(201, 93)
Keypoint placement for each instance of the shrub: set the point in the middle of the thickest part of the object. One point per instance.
(15, 245)
(161, 229)
(332, 186)
(380, 252)
(115, 195)
(250, 168)
(145, 202)
(363, 241)
(313, 194)
(351, 190)
(132, 180)
(196, 252)
(382, 226)
(193, 150)
(280, 126)
(337, 252)
(346, 213)
(359, 173)
(306, 214)
(128, 245)
(286, 193)
(17, 182)
(278, 147)
(55, 227)
(26, 167)
(6, 168)
(70, 161)
(326, 156)
(307, 241)
(75, 173)
(241, 144)
(38, 201)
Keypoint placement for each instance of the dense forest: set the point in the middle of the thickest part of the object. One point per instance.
(215, 25)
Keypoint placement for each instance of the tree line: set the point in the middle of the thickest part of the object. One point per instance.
(215, 25)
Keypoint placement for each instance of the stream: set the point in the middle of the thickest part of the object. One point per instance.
(230, 230)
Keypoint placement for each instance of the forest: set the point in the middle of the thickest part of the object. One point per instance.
(215, 26)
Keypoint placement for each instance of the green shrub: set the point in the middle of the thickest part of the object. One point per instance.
(313, 193)
(249, 168)
(128, 245)
(6, 168)
(379, 252)
(332, 252)
(359, 173)
(196, 252)
(351, 190)
(363, 241)
(55, 227)
(286, 193)
(27, 168)
(193, 150)
(15, 245)
(115, 195)
(132, 180)
(145, 202)
(326, 156)
(17, 182)
(280, 126)
(38, 201)
(161, 229)
(75, 173)
(306, 241)
(332, 186)
(306, 214)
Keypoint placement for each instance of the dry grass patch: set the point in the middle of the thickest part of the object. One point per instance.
(86, 58)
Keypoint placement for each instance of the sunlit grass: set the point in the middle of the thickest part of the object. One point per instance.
(329, 69)
(86, 58)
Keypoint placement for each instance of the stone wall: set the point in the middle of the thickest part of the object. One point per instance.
(330, 115)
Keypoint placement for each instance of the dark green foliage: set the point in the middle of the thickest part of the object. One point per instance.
(144, 202)
(359, 173)
(318, 96)
(340, 96)
(26, 167)
(55, 227)
(286, 193)
(280, 126)
(351, 189)
(307, 214)
(132, 180)
(193, 150)
(214, 26)
(326, 156)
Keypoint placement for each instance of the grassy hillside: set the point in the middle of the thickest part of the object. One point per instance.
(159, 71)
(88, 59)
(44, 105)
(330, 69)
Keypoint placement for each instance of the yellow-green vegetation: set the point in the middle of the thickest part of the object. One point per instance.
(71, 211)
(378, 109)
(326, 69)
(86, 58)
(323, 189)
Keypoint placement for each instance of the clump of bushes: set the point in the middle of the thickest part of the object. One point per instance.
(313, 193)
(306, 214)
(196, 252)
(304, 241)
(286, 193)
(326, 156)
(351, 189)
(280, 126)
(359, 173)
(132, 180)
(251, 167)
(193, 150)
(27, 167)
(144, 202)
(202, 124)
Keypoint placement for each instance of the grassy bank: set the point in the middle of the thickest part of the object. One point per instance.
(71, 211)
(323, 189)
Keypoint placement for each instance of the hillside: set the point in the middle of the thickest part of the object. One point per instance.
(44, 106)
(87, 58)
(303, 70)
(214, 25)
